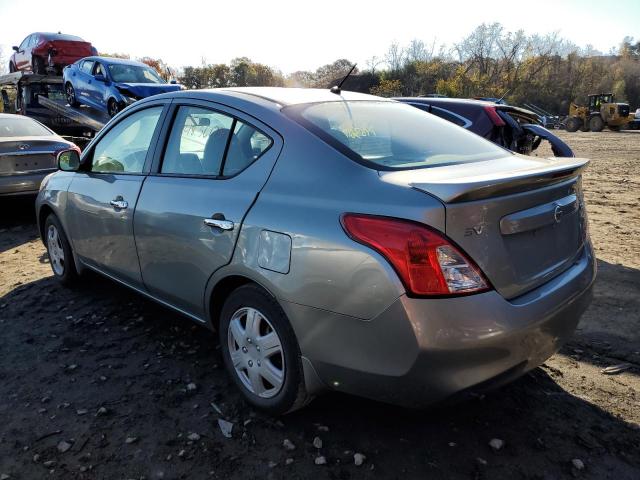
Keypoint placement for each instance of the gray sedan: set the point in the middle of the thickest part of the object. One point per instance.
(28, 152)
(334, 240)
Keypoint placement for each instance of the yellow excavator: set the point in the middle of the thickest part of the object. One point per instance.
(602, 111)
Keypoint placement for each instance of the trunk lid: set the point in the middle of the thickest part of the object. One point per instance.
(521, 219)
(28, 154)
(67, 48)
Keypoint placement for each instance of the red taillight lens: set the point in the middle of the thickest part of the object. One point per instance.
(493, 115)
(426, 262)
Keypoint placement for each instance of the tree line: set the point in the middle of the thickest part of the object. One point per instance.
(545, 70)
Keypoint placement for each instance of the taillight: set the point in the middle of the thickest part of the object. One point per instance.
(426, 262)
(493, 115)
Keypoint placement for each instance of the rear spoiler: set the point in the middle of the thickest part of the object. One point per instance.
(478, 180)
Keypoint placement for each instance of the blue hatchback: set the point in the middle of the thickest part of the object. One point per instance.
(110, 84)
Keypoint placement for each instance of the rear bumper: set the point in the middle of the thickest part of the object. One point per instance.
(22, 184)
(421, 351)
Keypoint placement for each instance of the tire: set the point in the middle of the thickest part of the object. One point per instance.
(283, 366)
(573, 124)
(596, 124)
(113, 107)
(59, 250)
(70, 93)
(37, 64)
(12, 67)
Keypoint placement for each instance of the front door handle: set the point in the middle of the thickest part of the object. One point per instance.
(217, 220)
(119, 203)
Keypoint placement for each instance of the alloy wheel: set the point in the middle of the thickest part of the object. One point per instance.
(113, 108)
(256, 352)
(56, 252)
(71, 95)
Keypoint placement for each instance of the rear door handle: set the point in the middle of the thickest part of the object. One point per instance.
(119, 203)
(217, 220)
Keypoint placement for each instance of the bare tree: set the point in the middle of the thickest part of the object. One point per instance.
(394, 57)
(418, 51)
(3, 62)
(373, 62)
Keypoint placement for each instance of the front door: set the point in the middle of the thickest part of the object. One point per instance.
(102, 199)
(23, 55)
(191, 209)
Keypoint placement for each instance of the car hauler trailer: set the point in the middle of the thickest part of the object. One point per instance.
(42, 98)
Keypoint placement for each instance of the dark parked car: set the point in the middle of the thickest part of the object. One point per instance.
(28, 152)
(40, 52)
(110, 84)
(514, 128)
(335, 240)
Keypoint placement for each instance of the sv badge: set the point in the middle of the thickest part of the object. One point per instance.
(477, 230)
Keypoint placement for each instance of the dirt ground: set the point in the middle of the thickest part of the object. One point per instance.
(99, 383)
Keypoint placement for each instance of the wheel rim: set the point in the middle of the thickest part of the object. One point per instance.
(56, 252)
(71, 95)
(113, 108)
(256, 352)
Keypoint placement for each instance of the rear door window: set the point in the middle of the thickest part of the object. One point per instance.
(197, 142)
(210, 143)
(87, 66)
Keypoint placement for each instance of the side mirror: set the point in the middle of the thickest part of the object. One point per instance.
(173, 82)
(69, 160)
(99, 77)
(16, 49)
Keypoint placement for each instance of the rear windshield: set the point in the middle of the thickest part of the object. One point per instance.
(391, 135)
(21, 127)
(62, 36)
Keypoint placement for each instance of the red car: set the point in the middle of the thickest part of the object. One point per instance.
(49, 52)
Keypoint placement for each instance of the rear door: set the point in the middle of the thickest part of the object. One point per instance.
(84, 80)
(191, 207)
(102, 199)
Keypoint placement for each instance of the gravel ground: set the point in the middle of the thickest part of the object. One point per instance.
(99, 383)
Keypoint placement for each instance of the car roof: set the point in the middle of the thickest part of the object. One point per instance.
(294, 96)
(115, 60)
(445, 100)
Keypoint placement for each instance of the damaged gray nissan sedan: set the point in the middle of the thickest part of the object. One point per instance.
(334, 240)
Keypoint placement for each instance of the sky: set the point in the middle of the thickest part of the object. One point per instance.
(298, 35)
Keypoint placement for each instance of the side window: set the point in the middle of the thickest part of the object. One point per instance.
(447, 115)
(98, 70)
(34, 40)
(25, 43)
(197, 142)
(247, 144)
(87, 66)
(124, 147)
